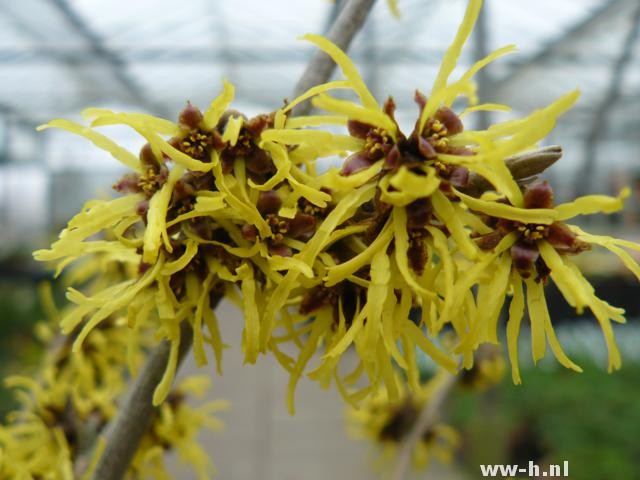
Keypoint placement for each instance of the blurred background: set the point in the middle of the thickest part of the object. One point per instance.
(60, 56)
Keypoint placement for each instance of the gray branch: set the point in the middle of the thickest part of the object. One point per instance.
(319, 70)
(428, 418)
(137, 412)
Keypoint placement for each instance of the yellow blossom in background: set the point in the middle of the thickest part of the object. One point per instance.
(55, 432)
(526, 246)
(386, 424)
(488, 369)
(176, 427)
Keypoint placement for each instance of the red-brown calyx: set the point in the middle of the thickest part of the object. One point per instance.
(345, 295)
(301, 227)
(196, 142)
(524, 253)
(258, 162)
(379, 143)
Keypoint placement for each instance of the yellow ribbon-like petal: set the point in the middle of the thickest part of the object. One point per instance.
(218, 106)
(590, 204)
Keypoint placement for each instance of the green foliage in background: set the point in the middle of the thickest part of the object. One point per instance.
(20, 351)
(591, 420)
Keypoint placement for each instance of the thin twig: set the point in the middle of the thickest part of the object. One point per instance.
(427, 419)
(522, 167)
(319, 70)
(137, 412)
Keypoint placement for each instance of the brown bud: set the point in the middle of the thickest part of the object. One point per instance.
(259, 161)
(393, 158)
(216, 140)
(426, 149)
(564, 240)
(302, 226)
(524, 257)
(269, 202)
(128, 184)
(539, 195)
(250, 232)
(143, 267)
(488, 241)
(280, 250)
(147, 158)
(190, 117)
(182, 190)
(358, 129)
(354, 163)
(389, 106)
(450, 120)
(459, 177)
(420, 99)
(142, 208)
(460, 151)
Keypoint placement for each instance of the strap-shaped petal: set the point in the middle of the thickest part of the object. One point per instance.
(401, 238)
(353, 111)
(121, 154)
(157, 218)
(590, 204)
(516, 312)
(446, 214)
(544, 216)
(218, 106)
(450, 59)
(564, 277)
(407, 186)
(537, 308)
(613, 245)
(348, 69)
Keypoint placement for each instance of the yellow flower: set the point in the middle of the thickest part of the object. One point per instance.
(387, 423)
(527, 245)
(75, 395)
(176, 427)
(218, 205)
(399, 234)
(488, 369)
(214, 206)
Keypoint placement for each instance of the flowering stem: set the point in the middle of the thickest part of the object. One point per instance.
(427, 419)
(137, 412)
(319, 70)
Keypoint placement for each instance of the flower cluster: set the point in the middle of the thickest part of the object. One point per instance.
(387, 424)
(222, 206)
(65, 410)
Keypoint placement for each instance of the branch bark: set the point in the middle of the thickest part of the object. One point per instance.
(348, 22)
(523, 167)
(428, 418)
(137, 412)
